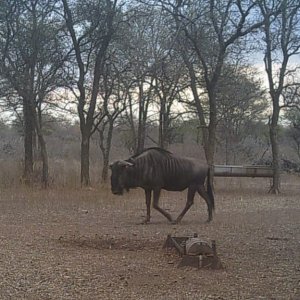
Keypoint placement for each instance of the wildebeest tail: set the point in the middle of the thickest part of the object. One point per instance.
(210, 188)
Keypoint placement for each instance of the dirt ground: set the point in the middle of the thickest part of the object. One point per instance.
(88, 244)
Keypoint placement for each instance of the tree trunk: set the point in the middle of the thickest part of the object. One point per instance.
(197, 100)
(106, 156)
(85, 159)
(141, 126)
(104, 174)
(37, 123)
(161, 127)
(35, 146)
(44, 155)
(210, 147)
(212, 127)
(275, 188)
(28, 139)
(133, 138)
(105, 149)
(141, 138)
(144, 99)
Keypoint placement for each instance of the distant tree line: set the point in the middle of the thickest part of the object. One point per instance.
(113, 62)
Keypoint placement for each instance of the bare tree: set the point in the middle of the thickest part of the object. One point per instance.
(210, 29)
(241, 101)
(31, 62)
(137, 47)
(114, 95)
(168, 73)
(155, 79)
(281, 30)
(168, 87)
(91, 28)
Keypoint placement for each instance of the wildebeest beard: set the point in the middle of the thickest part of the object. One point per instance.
(131, 180)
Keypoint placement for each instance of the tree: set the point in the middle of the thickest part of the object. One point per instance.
(138, 52)
(168, 73)
(91, 27)
(168, 86)
(114, 95)
(241, 102)
(155, 75)
(31, 63)
(209, 30)
(282, 41)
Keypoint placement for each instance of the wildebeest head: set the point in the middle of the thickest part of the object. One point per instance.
(119, 173)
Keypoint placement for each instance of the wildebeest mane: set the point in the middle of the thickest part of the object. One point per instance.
(160, 150)
(149, 162)
(153, 156)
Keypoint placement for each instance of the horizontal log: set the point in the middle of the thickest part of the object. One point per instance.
(242, 171)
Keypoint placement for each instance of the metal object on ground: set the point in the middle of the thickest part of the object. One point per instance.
(195, 252)
(242, 171)
(195, 246)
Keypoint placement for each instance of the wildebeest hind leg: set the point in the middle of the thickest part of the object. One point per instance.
(204, 195)
(148, 205)
(189, 203)
(156, 194)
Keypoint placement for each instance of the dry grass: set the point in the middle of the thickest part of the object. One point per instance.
(70, 243)
(62, 173)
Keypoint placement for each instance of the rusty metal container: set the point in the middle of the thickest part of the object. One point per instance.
(196, 246)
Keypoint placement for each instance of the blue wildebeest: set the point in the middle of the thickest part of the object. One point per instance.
(155, 169)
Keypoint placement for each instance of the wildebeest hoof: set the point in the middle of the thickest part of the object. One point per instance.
(208, 221)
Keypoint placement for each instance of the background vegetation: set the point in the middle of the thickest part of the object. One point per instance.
(63, 140)
(84, 83)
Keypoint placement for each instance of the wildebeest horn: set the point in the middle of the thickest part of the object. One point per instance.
(121, 163)
(125, 163)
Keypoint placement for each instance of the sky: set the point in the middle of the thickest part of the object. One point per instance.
(257, 62)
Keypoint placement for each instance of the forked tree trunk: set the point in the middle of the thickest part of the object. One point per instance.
(37, 122)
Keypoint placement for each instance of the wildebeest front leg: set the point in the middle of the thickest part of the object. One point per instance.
(204, 195)
(156, 193)
(189, 203)
(148, 205)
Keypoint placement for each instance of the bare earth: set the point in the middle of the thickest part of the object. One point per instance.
(88, 244)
